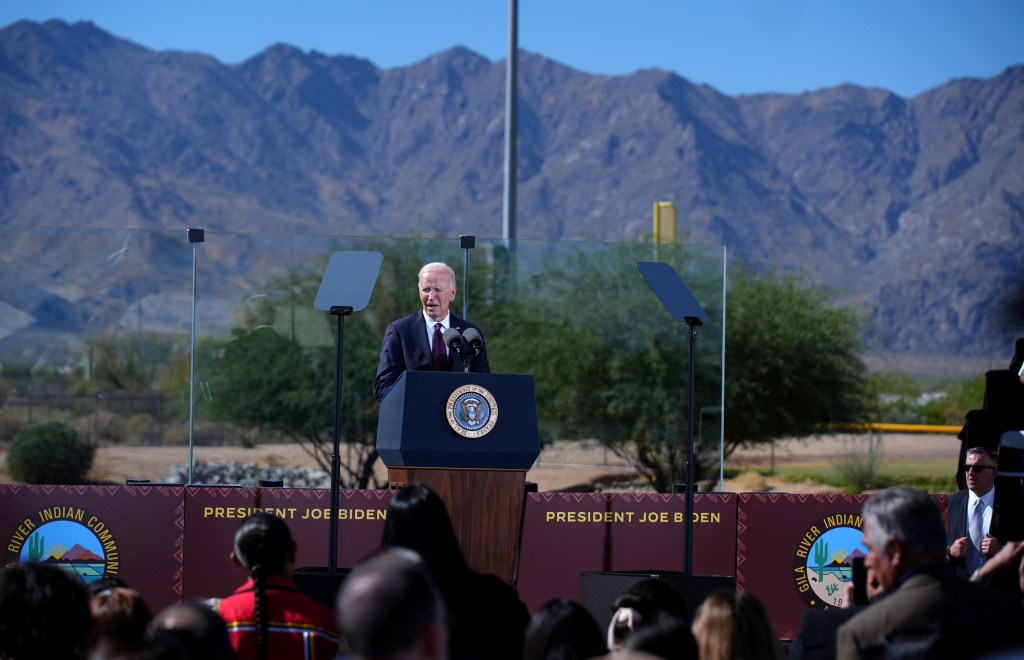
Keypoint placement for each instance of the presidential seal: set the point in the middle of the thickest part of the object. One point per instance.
(823, 560)
(472, 411)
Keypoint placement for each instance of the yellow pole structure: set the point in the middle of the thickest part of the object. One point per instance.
(664, 225)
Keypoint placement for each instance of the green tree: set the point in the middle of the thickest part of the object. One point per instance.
(793, 363)
(128, 363)
(277, 373)
(265, 380)
(609, 363)
(960, 398)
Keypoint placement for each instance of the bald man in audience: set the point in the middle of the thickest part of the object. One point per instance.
(390, 609)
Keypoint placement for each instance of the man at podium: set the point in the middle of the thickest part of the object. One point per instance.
(418, 342)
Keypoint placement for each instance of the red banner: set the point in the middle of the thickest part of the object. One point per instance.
(566, 534)
(172, 542)
(136, 533)
(213, 514)
(795, 551)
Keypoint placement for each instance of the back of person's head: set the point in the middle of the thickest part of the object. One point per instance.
(113, 648)
(389, 607)
(417, 518)
(734, 625)
(663, 635)
(563, 630)
(119, 612)
(911, 518)
(44, 612)
(263, 544)
(651, 595)
(198, 631)
(644, 599)
(264, 548)
(104, 583)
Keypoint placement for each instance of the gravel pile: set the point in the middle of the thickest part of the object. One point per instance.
(246, 474)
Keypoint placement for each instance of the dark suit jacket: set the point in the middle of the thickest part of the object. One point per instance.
(816, 638)
(939, 614)
(956, 505)
(1007, 522)
(406, 348)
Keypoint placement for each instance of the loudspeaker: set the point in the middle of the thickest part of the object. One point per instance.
(319, 583)
(599, 590)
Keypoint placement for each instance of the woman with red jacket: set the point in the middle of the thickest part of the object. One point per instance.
(268, 617)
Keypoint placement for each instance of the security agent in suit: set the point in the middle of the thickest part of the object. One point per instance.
(981, 470)
(407, 341)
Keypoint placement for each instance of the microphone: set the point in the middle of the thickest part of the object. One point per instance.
(453, 340)
(476, 341)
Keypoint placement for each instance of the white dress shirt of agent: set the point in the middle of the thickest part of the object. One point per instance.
(980, 472)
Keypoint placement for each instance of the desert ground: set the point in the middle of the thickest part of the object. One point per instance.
(577, 466)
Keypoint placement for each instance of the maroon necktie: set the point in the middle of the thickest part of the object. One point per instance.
(440, 355)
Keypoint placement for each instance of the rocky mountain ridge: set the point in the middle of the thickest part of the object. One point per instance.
(910, 209)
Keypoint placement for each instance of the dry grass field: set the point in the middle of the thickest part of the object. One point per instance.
(582, 466)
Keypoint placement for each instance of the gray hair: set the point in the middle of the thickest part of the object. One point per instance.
(908, 516)
(984, 451)
(438, 265)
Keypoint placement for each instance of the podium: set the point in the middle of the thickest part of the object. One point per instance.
(470, 438)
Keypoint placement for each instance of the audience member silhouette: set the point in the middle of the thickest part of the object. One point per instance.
(119, 613)
(816, 637)
(644, 599)
(44, 613)
(734, 626)
(563, 630)
(927, 610)
(197, 631)
(389, 607)
(488, 618)
(268, 617)
(663, 635)
(104, 583)
(113, 648)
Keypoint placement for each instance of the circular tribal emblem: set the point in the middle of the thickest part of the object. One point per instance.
(823, 560)
(472, 411)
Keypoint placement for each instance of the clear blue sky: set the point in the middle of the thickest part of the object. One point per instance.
(736, 46)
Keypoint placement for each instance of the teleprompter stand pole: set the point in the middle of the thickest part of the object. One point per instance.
(693, 323)
(345, 288)
(680, 303)
(341, 311)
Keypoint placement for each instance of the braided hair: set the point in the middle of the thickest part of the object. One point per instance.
(263, 545)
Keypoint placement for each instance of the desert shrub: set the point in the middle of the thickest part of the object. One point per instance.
(858, 468)
(751, 482)
(50, 453)
(205, 434)
(103, 426)
(111, 428)
(10, 425)
(142, 429)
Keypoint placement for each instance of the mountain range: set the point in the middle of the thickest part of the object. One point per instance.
(909, 209)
